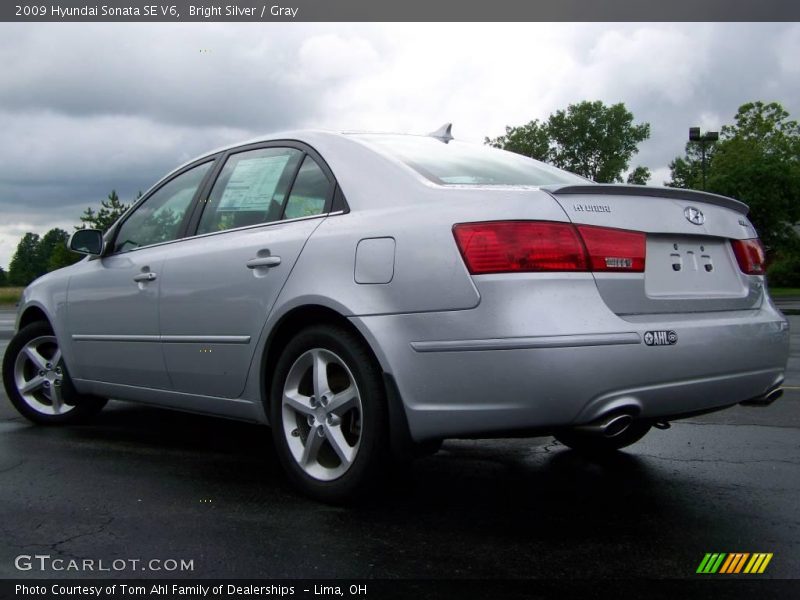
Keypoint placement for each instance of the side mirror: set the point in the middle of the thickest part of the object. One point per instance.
(86, 241)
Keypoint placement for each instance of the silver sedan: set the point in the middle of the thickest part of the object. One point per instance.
(368, 295)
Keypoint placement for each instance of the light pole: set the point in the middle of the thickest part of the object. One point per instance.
(709, 137)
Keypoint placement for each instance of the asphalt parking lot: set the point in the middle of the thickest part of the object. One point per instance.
(143, 483)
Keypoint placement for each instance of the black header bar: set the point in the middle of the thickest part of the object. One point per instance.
(265, 11)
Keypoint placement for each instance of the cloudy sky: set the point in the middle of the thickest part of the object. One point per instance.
(85, 108)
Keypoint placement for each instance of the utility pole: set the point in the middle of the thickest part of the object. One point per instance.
(709, 137)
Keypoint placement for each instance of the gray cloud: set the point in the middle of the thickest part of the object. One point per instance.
(85, 108)
(178, 75)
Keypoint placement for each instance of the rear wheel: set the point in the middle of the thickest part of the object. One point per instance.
(592, 443)
(37, 382)
(328, 414)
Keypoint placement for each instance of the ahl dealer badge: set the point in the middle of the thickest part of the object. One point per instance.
(660, 338)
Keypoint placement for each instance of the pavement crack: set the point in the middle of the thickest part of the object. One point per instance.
(56, 546)
(12, 467)
(99, 530)
(548, 447)
(718, 460)
(711, 424)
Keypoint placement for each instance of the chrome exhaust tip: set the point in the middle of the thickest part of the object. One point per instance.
(616, 425)
(764, 400)
(609, 426)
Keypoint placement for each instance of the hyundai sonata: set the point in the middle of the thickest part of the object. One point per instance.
(368, 295)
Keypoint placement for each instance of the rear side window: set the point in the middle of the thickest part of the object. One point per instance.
(250, 189)
(309, 192)
(459, 163)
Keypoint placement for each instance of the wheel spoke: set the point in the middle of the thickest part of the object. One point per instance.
(36, 358)
(336, 438)
(32, 385)
(298, 402)
(56, 399)
(321, 387)
(56, 357)
(311, 449)
(343, 401)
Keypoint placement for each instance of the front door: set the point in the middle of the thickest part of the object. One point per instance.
(112, 302)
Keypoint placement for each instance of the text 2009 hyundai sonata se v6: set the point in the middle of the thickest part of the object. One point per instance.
(369, 295)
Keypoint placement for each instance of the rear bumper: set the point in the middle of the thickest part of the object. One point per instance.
(551, 354)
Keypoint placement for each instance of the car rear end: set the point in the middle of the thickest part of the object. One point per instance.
(594, 301)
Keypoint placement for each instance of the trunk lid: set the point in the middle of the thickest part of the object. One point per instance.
(690, 264)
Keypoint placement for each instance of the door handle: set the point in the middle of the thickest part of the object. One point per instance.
(263, 261)
(149, 276)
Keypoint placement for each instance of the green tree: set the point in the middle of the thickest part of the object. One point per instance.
(54, 251)
(37, 255)
(687, 171)
(23, 267)
(48, 244)
(639, 176)
(784, 268)
(595, 140)
(588, 138)
(110, 210)
(62, 257)
(3, 277)
(757, 160)
(531, 139)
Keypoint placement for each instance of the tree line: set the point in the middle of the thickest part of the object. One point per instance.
(756, 160)
(36, 255)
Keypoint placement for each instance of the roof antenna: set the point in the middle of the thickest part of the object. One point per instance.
(443, 133)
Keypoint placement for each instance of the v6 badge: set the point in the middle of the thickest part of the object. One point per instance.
(660, 338)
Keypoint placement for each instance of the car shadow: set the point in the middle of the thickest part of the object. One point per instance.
(491, 504)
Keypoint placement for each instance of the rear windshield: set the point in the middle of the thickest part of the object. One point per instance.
(460, 163)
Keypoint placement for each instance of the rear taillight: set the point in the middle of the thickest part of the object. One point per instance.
(749, 255)
(531, 246)
(522, 246)
(614, 249)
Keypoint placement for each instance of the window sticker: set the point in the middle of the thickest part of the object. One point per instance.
(252, 183)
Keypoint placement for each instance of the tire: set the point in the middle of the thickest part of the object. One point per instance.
(595, 443)
(331, 431)
(37, 382)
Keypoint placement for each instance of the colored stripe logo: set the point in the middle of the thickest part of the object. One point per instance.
(734, 563)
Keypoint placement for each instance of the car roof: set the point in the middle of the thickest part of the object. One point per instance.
(308, 136)
(321, 140)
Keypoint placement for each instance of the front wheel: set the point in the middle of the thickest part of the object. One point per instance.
(37, 381)
(328, 414)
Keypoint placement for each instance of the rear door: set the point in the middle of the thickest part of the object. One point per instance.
(220, 285)
(690, 262)
(112, 302)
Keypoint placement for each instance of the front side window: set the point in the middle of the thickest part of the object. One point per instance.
(250, 190)
(309, 192)
(159, 218)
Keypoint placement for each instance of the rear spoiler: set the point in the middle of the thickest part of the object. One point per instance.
(646, 190)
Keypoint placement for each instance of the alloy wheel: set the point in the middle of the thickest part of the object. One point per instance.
(322, 414)
(39, 376)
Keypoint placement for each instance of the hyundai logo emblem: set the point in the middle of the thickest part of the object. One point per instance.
(694, 216)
